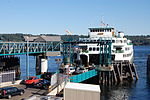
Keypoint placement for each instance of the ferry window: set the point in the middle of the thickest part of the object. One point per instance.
(113, 41)
(97, 48)
(93, 49)
(124, 55)
(90, 49)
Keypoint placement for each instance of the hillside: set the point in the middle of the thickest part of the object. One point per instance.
(136, 40)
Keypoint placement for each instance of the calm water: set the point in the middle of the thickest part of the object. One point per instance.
(139, 90)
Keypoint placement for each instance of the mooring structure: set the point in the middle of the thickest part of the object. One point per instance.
(110, 72)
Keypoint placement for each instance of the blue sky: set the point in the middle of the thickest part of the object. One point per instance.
(55, 16)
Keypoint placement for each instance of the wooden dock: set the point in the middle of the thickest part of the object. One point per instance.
(117, 72)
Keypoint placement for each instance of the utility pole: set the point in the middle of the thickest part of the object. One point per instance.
(58, 61)
(27, 59)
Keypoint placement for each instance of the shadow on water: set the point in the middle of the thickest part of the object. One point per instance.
(117, 92)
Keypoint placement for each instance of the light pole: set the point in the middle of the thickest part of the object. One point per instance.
(58, 62)
(27, 59)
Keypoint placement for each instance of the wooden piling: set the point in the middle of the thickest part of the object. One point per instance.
(136, 75)
(130, 71)
(118, 71)
(148, 66)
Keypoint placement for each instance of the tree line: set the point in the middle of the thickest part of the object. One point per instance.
(18, 37)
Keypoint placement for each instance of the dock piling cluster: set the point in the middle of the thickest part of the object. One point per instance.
(117, 72)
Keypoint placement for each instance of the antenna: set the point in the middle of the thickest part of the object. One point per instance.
(68, 32)
(102, 22)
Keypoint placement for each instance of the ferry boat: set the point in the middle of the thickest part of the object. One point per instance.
(121, 47)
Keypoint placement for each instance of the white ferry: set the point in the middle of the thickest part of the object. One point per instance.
(121, 48)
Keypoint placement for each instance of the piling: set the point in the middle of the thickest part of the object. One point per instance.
(148, 66)
(117, 72)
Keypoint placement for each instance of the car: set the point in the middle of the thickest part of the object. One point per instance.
(76, 73)
(32, 80)
(91, 68)
(43, 84)
(47, 75)
(10, 91)
(71, 70)
(82, 70)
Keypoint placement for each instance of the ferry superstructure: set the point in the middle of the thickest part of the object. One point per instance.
(121, 47)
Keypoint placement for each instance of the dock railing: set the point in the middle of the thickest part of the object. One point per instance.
(83, 76)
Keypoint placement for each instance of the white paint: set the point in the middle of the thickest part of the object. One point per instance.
(54, 79)
(58, 88)
(79, 91)
(44, 65)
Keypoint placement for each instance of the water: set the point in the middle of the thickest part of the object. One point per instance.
(139, 90)
(136, 90)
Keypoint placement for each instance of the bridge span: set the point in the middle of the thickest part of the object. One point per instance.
(17, 48)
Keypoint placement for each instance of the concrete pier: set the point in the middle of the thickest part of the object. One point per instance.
(148, 66)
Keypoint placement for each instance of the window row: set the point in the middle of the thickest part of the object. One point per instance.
(119, 41)
(127, 49)
(100, 30)
(94, 49)
(127, 55)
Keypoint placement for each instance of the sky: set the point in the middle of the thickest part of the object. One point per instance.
(56, 16)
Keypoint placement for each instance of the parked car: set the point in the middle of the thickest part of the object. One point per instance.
(10, 91)
(32, 80)
(91, 68)
(82, 70)
(76, 73)
(61, 70)
(71, 70)
(47, 75)
(79, 71)
(43, 84)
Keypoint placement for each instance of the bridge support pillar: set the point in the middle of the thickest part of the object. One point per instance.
(41, 64)
(44, 65)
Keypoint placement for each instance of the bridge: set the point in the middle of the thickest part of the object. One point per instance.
(17, 48)
(41, 45)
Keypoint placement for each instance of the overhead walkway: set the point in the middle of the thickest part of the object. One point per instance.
(17, 48)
